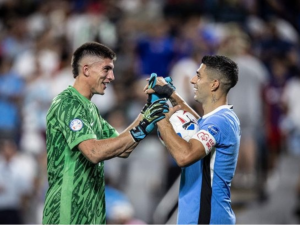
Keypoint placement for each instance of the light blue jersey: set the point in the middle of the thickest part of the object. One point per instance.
(204, 195)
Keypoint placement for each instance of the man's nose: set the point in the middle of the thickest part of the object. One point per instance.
(193, 80)
(111, 75)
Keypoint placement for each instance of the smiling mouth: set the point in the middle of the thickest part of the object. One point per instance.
(105, 84)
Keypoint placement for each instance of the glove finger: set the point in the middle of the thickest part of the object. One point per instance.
(152, 80)
(164, 107)
(157, 113)
(160, 101)
(155, 107)
(168, 79)
(166, 110)
(158, 105)
(154, 114)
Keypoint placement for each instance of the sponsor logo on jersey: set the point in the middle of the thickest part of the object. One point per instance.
(76, 125)
(213, 130)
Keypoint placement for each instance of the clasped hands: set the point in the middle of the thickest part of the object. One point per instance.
(159, 91)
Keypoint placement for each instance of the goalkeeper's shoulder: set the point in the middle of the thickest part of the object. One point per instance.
(62, 103)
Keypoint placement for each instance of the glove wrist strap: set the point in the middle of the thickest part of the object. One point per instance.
(138, 133)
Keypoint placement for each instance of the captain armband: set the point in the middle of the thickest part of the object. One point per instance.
(206, 139)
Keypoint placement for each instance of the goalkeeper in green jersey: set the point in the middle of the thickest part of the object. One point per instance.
(79, 140)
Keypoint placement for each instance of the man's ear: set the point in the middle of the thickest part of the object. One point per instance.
(215, 84)
(85, 70)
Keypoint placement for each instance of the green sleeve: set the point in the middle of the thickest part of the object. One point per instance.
(74, 122)
(108, 130)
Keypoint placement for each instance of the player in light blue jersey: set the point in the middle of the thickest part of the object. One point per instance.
(208, 160)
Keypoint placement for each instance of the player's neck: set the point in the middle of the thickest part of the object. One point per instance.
(83, 89)
(214, 103)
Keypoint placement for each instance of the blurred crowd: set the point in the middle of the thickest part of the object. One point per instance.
(168, 37)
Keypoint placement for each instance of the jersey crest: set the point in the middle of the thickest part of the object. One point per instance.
(76, 125)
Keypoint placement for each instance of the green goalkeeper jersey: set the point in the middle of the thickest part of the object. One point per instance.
(76, 186)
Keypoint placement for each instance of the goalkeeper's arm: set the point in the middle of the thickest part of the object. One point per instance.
(121, 146)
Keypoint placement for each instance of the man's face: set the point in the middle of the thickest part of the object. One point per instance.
(100, 74)
(201, 84)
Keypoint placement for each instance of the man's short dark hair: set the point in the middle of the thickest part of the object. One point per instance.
(90, 49)
(224, 68)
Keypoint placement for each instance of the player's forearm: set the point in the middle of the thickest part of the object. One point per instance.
(100, 150)
(126, 153)
(176, 99)
(177, 146)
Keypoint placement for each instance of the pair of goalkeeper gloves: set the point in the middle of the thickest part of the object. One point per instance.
(155, 108)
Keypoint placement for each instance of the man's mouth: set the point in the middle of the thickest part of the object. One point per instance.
(105, 84)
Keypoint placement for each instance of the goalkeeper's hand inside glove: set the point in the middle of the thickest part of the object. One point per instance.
(154, 113)
(153, 97)
(160, 91)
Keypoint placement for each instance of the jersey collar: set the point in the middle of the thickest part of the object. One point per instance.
(80, 96)
(217, 109)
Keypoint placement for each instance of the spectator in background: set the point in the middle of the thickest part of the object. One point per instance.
(182, 72)
(119, 209)
(36, 103)
(291, 121)
(273, 110)
(11, 96)
(44, 52)
(17, 40)
(273, 43)
(60, 78)
(16, 183)
(230, 11)
(249, 108)
(155, 50)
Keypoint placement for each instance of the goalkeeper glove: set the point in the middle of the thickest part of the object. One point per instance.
(160, 91)
(151, 97)
(154, 113)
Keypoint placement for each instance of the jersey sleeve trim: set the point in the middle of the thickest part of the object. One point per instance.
(81, 139)
(207, 140)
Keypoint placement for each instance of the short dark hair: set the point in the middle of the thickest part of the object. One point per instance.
(90, 49)
(225, 69)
